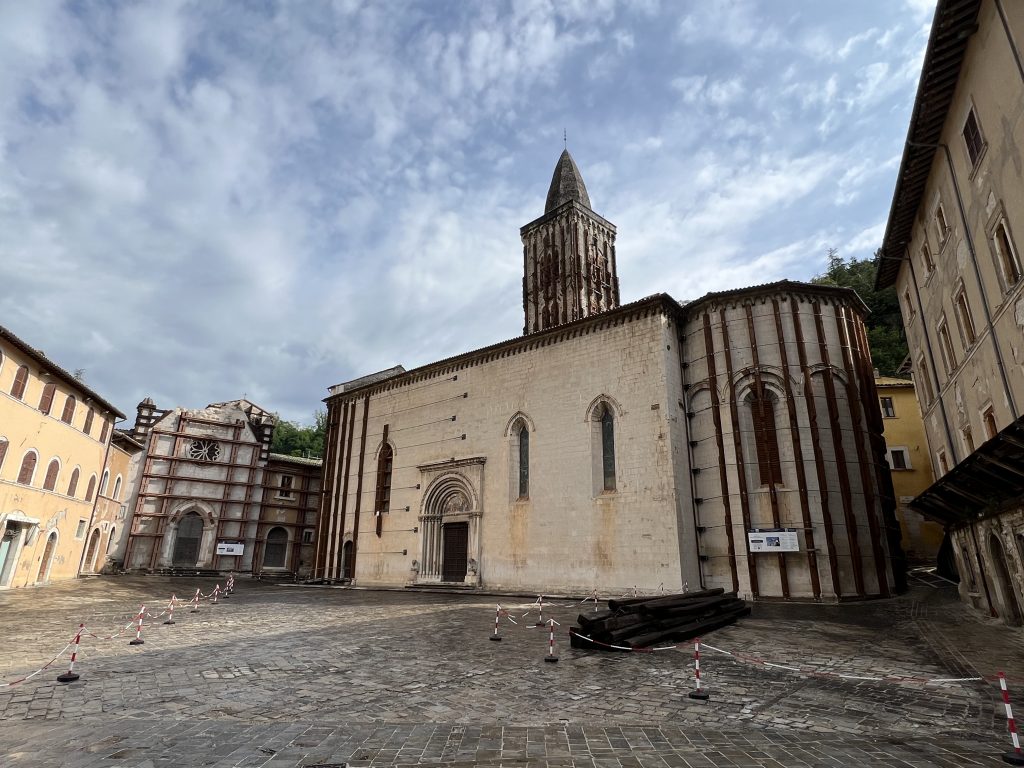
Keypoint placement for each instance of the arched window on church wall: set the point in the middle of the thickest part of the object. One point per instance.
(524, 462)
(603, 448)
(385, 462)
(762, 403)
(519, 459)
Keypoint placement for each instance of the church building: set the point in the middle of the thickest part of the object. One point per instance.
(734, 441)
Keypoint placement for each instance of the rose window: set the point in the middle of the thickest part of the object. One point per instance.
(204, 450)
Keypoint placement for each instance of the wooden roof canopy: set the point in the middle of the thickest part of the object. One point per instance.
(954, 23)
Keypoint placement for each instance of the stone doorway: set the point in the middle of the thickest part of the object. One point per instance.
(1009, 607)
(455, 554)
(187, 541)
(348, 558)
(90, 553)
(10, 544)
(44, 564)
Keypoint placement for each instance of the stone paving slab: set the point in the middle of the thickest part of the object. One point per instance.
(287, 676)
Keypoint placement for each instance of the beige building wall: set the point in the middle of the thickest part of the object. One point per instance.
(43, 530)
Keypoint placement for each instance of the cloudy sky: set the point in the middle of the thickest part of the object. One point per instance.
(202, 200)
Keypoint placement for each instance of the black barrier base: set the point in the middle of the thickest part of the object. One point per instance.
(699, 695)
(168, 622)
(137, 641)
(540, 624)
(496, 637)
(194, 610)
(551, 658)
(1013, 758)
(67, 677)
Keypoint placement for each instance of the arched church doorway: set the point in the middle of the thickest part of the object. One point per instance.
(348, 560)
(90, 552)
(186, 543)
(1003, 583)
(275, 552)
(454, 556)
(44, 564)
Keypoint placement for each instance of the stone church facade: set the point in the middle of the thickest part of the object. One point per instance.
(734, 441)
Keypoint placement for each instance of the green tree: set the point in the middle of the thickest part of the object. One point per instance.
(884, 322)
(293, 439)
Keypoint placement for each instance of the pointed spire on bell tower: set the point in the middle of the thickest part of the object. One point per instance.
(568, 255)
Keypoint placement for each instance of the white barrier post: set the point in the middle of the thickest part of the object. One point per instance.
(540, 611)
(70, 676)
(138, 629)
(1015, 757)
(170, 610)
(216, 591)
(551, 657)
(497, 615)
(698, 693)
(195, 601)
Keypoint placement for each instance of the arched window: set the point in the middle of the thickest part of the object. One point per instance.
(524, 461)
(28, 468)
(20, 382)
(91, 487)
(88, 421)
(73, 483)
(762, 402)
(3, 450)
(104, 482)
(117, 489)
(275, 553)
(47, 559)
(608, 448)
(111, 539)
(69, 410)
(50, 483)
(383, 501)
(46, 399)
(103, 431)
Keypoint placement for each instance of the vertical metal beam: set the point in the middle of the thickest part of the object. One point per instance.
(359, 485)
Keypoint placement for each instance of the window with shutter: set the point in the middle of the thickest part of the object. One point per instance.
(73, 484)
(28, 468)
(69, 410)
(103, 432)
(50, 483)
(91, 488)
(762, 408)
(3, 450)
(20, 382)
(46, 400)
(88, 421)
(972, 137)
(382, 503)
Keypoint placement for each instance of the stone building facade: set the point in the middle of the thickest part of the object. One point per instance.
(734, 441)
(951, 250)
(210, 495)
(55, 435)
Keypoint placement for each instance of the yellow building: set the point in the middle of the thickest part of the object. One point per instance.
(906, 450)
(54, 437)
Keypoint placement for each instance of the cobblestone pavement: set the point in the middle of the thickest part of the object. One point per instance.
(290, 676)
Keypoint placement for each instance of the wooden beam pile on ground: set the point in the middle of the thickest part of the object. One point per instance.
(641, 622)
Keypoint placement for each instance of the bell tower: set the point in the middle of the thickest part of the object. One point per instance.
(568, 256)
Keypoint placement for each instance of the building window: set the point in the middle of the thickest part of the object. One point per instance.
(898, 458)
(608, 449)
(942, 226)
(285, 490)
(73, 483)
(3, 450)
(923, 380)
(69, 410)
(88, 421)
(946, 347)
(104, 482)
(524, 462)
(28, 468)
(200, 450)
(20, 382)
(943, 462)
(46, 400)
(382, 504)
(111, 540)
(80, 531)
(911, 312)
(307, 536)
(968, 439)
(972, 137)
(926, 259)
(50, 481)
(106, 427)
(888, 410)
(964, 319)
(762, 408)
(1006, 255)
(117, 489)
(988, 419)
(91, 488)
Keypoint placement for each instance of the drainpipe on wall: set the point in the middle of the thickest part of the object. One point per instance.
(1009, 38)
(96, 498)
